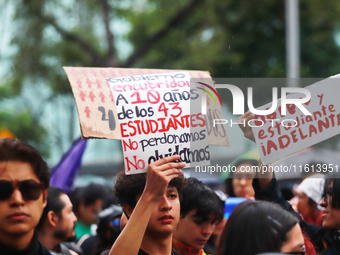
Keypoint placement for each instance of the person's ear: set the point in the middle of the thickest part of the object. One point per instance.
(52, 218)
(127, 209)
(44, 198)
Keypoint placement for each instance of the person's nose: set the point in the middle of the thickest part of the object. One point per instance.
(243, 181)
(207, 229)
(165, 204)
(323, 203)
(16, 198)
(74, 217)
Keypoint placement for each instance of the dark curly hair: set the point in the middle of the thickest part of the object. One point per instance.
(332, 191)
(54, 204)
(128, 187)
(197, 195)
(89, 194)
(15, 150)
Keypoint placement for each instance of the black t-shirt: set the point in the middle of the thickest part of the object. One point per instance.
(35, 248)
(88, 245)
(141, 252)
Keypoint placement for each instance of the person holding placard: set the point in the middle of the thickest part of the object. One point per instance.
(151, 202)
(325, 238)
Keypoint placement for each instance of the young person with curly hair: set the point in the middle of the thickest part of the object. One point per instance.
(151, 202)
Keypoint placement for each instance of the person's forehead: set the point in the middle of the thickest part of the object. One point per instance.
(244, 169)
(245, 174)
(296, 237)
(193, 214)
(298, 192)
(66, 200)
(17, 171)
(243, 165)
(96, 204)
(168, 189)
(171, 189)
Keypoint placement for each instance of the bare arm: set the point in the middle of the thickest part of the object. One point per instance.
(159, 175)
(265, 177)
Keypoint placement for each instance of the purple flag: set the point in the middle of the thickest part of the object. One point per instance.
(65, 172)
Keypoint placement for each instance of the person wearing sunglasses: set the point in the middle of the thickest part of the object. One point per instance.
(57, 222)
(325, 238)
(24, 178)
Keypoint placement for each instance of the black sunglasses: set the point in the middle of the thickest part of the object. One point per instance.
(30, 190)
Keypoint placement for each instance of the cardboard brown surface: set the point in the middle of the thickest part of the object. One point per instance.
(95, 102)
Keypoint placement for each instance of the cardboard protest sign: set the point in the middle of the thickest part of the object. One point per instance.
(95, 102)
(211, 108)
(278, 136)
(217, 133)
(156, 120)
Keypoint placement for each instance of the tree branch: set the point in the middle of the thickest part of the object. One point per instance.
(111, 54)
(179, 17)
(92, 51)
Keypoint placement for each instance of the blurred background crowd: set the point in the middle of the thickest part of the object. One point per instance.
(227, 38)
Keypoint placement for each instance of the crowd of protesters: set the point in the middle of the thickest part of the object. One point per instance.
(161, 212)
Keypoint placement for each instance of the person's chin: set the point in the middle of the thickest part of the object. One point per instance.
(241, 192)
(197, 247)
(200, 244)
(326, 224)
(168, 229)
(71, 237)
(20, 228)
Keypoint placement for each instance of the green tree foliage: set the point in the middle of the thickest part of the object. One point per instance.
(26, 128)
(242, 38)
(228, 38)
